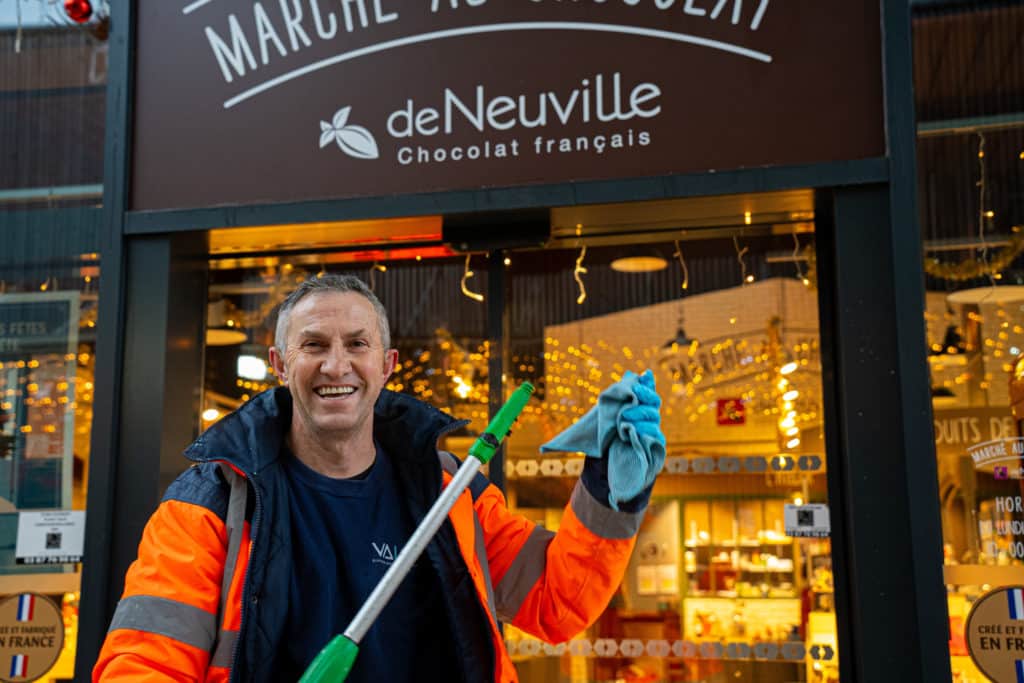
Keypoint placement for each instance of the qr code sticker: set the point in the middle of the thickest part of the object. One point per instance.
(53, 540)
(805, 517)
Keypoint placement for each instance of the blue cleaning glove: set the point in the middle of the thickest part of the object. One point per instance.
(624, 429)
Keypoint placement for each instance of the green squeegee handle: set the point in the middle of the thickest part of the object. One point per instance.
(335, 660)
(484, 447)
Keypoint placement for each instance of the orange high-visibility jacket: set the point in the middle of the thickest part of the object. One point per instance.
(206, 600)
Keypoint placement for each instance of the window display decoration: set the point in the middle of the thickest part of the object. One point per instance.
(79, 11)
(466, 274)
(981, 265)
(676, 464)
(92, 15)
(682, 264)
(745, 277)
(797, 249)
(788, 650)
(376, 268)
(577, 272)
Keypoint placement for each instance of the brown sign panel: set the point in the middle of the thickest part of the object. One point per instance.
(284, 100)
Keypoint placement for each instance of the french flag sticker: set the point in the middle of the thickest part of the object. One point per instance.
(1019, 666)
(1015, 598)
(19, 666)
(26, 607)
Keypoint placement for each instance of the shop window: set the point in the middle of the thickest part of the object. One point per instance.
(48, 316)
(724, 582)
(720, 586)
(972, 215)
(53, 75)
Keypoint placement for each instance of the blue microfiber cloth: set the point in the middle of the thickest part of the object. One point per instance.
(624, 428)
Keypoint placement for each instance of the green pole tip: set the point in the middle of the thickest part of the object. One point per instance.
(333, 663)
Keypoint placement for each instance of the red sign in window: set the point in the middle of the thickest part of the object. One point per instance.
(731, 411)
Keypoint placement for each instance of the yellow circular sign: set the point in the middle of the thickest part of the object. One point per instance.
(31, 637)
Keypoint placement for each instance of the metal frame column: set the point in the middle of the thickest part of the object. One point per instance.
(883, 481)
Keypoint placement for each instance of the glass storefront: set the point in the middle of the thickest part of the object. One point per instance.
(53, 76)
(970, 171)
(731, 576)
(47, 360)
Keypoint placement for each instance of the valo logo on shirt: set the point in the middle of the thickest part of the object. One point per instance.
(385, 554)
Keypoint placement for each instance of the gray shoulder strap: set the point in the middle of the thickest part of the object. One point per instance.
(234, 522)
(449, 463)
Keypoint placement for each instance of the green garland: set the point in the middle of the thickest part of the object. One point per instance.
(972, 268)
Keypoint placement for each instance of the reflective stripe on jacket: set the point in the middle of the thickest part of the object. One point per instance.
(166, 626)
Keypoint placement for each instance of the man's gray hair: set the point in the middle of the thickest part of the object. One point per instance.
(325, 284)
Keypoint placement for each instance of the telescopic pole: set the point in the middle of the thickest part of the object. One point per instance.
(335, 660)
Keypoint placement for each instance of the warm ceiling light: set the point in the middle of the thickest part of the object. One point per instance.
(216, 336)
(788, 368)
(639, 264)
(211, 414)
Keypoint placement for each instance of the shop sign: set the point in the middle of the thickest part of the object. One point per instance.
(53, 537)
(995, 634)
(36, 324)
(965, 428)
(31, 637)
(806, 521)
(240, 101)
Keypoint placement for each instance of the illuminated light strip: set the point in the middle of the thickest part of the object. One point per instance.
(494, 28)
(726, 464)
(789, 650)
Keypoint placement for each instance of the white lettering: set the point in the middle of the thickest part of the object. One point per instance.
(641, 94)
(346, 8)
(564, 112)
(266, 34)
(450, 99)
(502, 112)
(239, 49)
(1001, 427)
(396, 116)
(324, 34)
(424, 118)
(440, 155)
(378, 13)
(497, 107)
(758, 16)
(1010, 504)
(291, 21)
(695, 11)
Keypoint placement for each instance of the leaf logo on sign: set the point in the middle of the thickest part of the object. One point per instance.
(354, 141)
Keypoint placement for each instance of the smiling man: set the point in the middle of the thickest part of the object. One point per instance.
(302, 498)
(333, 352)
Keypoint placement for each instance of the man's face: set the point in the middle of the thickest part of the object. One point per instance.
(334, 364)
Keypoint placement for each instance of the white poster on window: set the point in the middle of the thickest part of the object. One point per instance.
(50, 537)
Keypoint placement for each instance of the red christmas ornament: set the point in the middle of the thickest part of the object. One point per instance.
(78, 10)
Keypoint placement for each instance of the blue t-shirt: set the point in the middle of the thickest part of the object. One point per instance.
(345, 535)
